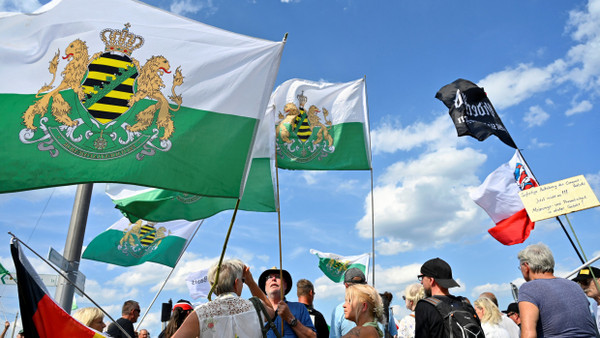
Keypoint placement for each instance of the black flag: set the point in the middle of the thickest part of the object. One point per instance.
(472, 112)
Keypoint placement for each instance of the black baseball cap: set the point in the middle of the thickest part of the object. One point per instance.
(440, 270)
(512, 307)
(585, 274)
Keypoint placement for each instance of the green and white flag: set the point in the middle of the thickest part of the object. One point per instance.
(335, 266)
(321, 126)
(164, 205)
(127, 244)
(120, 91)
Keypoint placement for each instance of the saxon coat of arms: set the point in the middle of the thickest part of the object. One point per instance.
(108, 105)
(301, 136)
(140, 239)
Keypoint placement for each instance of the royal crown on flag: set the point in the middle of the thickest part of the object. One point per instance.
(302, 99)
(122, 41)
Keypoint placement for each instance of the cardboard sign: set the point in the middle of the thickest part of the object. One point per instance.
(558, 198)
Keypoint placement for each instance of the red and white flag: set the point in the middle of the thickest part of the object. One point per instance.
(499, 197)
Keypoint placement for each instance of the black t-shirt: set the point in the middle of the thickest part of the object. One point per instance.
(429, 322)
(114, 331)
(318, 321)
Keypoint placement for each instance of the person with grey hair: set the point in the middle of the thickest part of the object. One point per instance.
(228, 315)
(550, 306)
(129, 315)
(412, 294)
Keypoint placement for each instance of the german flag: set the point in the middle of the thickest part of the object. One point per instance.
(40, 315)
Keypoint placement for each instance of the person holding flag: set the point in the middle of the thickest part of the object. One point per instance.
(228, 315)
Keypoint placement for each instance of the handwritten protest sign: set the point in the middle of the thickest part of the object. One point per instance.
(558, 198)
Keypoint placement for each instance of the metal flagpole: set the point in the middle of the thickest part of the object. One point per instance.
(169, 275)
(279, 229)
(73, 244)
(372, 193)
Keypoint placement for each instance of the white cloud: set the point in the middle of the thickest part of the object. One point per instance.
(183, 7)
(513, 85)
(312, 176)
(594, 181)
(23, 6)
(536, 116)
(390, 138)
(390, 246)
(499, 290)
(425, 201)
(580, 107)
(585, 57)
(535, 144)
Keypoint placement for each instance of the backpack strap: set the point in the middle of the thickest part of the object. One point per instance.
(258, 305)
(444, 310)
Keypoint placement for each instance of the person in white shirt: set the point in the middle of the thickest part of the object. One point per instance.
(507, 323)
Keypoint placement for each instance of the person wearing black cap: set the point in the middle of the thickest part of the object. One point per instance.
(587, 278)
(436, 277)
(512, 312)
(297, 322)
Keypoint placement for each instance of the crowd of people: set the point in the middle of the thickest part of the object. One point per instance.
(547, 306)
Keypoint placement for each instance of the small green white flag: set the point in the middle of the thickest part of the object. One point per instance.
(321, 126)
(127, 244)
(335, 266)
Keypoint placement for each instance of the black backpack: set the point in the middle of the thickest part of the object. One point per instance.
(460, 321)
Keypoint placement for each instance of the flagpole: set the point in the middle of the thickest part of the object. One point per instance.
(372, 194)
(373, 227)
(169, 275)
(15, 325)
(70, 281)
(73, 244)
(557, 218)
(237, 204)
(279, 228)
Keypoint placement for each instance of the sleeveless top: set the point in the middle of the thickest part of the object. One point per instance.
(228, 316)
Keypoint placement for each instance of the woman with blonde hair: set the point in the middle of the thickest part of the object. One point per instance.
(490, 317)
(363, 306)
(412, 294)
(91, 317)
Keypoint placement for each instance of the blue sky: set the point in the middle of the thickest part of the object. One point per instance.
(539, 62)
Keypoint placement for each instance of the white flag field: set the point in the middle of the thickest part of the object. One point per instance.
(197, 283)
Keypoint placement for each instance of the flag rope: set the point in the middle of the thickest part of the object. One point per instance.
(237, 204)
(169, 275)
(557, 218)
(70, 281)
